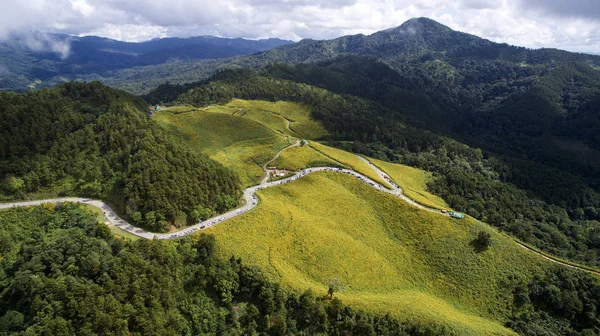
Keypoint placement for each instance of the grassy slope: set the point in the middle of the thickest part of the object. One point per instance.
(239, 143)
(391, 256)
(301, 124)
(413, 182)
(297, 158)
(243, 134)
(348, 159)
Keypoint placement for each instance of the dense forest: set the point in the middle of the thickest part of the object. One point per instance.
(93, 141)
(63, 273)
(551, 209)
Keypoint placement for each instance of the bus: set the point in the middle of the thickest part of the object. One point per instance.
(458, 215)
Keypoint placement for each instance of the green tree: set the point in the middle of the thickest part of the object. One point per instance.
(334, 285)
(482, 242)
(13, 185)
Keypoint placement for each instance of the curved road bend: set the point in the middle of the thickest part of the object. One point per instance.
(249, 195)
(397, 190)
(264, 167)
(250, 202)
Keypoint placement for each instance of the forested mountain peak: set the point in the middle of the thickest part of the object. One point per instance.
(422, 35)
(419, 25)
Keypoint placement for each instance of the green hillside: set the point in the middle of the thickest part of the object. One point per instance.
(242, 135)
(413, 182)
(276, 115)
(389, 255)
(298, 158)
(552, 209)
(239, 143)
(350, 160)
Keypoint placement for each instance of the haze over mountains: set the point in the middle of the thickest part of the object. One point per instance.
(28, 60)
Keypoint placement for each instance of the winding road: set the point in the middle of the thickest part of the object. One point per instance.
(249, 196)
(251, 201)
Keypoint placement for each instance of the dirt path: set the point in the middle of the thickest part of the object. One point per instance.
(264, 167)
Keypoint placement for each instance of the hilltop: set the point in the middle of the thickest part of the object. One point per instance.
(411, 44)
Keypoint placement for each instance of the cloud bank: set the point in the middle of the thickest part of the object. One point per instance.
(568, 25)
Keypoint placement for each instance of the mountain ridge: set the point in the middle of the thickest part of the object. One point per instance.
(416, 40)
(29, 61)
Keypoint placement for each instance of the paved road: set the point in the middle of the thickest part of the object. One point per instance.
(397, 190)
(110, 215)
(250, 198)
(251, 201)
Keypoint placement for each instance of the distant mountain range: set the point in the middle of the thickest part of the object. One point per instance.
(418, 42)
(44, 60)
(28, 60)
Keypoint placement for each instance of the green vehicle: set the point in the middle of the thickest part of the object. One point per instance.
(458, 215)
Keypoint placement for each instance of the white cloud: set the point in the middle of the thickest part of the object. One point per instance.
(128, 32)
(534, 23)
(83, 7)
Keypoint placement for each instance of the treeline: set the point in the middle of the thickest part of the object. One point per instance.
(61, 273)
(564, 223)
(93, 141)
(560, 301)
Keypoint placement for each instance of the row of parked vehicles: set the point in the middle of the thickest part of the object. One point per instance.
(254, 201)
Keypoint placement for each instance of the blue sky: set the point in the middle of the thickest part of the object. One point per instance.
(571, 25)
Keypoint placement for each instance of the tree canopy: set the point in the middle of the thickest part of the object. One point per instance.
(93, 141)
